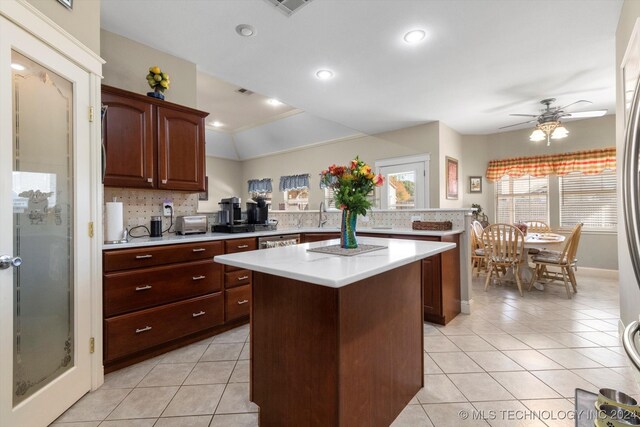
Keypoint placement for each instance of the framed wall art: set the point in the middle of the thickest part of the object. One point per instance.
(475, 184)
(451, 168)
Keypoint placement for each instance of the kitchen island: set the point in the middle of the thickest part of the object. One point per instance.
(336, 341)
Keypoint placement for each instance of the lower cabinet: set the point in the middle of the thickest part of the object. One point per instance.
(440, 278)
(159, 298)
(317, 237)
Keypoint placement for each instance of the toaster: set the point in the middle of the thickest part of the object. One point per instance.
(191, 224)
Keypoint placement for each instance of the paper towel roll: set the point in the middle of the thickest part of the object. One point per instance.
(114, 222)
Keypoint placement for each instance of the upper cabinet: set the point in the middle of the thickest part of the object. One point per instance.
(151, 143)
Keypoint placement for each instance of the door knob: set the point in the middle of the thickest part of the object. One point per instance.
(6, 261)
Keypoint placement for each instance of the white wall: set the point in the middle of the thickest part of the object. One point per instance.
(82, 22)
(475, 157)
(629, 291)
(414, 140)
(128, 62)
(225, 180)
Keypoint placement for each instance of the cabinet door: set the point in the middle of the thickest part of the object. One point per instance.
(432, 286)
(128, 139)
(181, 145)
(318, 237)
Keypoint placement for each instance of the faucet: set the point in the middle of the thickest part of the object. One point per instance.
(322, 220)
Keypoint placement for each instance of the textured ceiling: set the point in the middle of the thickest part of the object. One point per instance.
(482, 59)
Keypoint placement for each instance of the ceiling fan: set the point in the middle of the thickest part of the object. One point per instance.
(548, 121)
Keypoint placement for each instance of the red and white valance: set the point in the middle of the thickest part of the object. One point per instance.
(591, 162)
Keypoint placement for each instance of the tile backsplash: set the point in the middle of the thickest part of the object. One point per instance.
(141, 205)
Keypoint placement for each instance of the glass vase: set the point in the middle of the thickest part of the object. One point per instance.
(348, 230)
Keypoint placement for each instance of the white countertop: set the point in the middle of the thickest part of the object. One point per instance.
(335, 271)
(169, 239)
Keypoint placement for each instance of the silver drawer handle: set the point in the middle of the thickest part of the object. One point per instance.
(164, 181)
(242, 246)
(243, 277)
(149, 179)
(198, 277)
(143, 288)
(199, 250)
(145, 329)
(143, 256)
(244, 301)
(201, 313)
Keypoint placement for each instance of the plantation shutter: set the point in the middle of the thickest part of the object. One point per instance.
(590, 199)
(522, 199)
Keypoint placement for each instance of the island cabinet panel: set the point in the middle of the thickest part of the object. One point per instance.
(181, 150)
(440, 278)
(349, 356)
(150, 143)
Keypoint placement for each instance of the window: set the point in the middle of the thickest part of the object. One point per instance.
(329, 200)
(522, 199)
(296, 200)
(590, 199)
(405, 182)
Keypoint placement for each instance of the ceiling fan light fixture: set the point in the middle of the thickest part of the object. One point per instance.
(559, 133)
(537, 135)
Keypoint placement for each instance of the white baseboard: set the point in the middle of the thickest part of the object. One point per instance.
(597, 272)
(466, 306)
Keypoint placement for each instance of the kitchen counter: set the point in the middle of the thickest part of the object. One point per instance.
(169, 239)
(295, 262)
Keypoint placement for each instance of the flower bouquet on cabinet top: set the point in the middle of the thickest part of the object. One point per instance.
(158, 81)
(351, 184)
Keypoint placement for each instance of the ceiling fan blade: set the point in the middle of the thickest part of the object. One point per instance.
(574, 103)
(584, 114)
(518, 124)
(524, 115)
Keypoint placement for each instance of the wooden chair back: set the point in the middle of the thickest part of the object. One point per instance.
(477, 229)
(571, 245)
(504, 242)
(537, 227)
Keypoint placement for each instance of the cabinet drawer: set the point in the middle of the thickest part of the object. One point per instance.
(237, 278)
(238, 302)
(133, 332)
(415, 237)
(122, 259)
(240, 245)
(148, 287)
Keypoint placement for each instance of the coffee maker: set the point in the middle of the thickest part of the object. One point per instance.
(230, 217)
(257, 211)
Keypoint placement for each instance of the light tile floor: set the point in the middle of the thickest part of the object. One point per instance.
(514, 356)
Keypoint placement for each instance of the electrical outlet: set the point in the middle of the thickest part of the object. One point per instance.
(167, 208)
(416, 218)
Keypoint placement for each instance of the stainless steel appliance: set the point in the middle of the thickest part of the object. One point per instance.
(191, 224)
(278, 241)
(232, 206)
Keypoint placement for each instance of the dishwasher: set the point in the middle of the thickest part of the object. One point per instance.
(278, 241)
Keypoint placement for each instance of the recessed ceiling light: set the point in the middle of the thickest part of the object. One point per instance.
(274, 102)
(245, 30)
(324, 74)
(17, 67)
(217, 124)
(414, 36)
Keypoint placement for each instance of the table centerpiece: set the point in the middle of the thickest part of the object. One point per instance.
(351, 184)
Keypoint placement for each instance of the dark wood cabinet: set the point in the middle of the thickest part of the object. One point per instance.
(440, 278)
(151, 143)
(318, 237)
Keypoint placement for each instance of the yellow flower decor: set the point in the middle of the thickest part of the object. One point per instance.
(158, 80)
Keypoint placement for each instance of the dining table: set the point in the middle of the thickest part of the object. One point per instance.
(540, 241)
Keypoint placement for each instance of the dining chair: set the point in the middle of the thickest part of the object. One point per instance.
(565, 261)
(478, 253)
(537, 227)
(504, 244)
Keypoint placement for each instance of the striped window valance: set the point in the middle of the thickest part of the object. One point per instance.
(294, 182)
(589, 162)
(260, 185)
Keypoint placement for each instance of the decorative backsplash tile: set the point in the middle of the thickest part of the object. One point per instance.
(141, 205)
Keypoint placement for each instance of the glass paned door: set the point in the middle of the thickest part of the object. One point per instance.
(42, 191)
(403, 186)
(45, 209)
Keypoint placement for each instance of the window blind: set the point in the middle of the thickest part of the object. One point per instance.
(590, 199)
(522, 199)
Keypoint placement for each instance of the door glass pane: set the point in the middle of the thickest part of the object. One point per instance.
(401, 190)
(42, 226)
